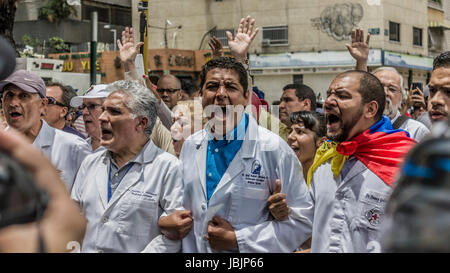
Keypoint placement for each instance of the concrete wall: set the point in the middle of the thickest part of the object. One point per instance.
(306, 32)
(409, 14)
(272, 85)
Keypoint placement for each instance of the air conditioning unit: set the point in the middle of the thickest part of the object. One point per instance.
(265, 42)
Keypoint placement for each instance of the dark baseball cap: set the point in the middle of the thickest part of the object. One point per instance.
(27, 81)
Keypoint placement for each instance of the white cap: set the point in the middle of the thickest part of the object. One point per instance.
(94, 92)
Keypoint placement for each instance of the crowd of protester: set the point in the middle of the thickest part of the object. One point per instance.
(210, 166)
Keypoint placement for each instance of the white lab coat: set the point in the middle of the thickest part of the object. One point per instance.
(348, 212)
(66, 151)
(241, 195)
(416, 129)
(152, 188)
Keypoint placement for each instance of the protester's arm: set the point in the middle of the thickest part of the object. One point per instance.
(176, 225)
(359, 49)
(128, 50)
(62, 221)
(162, 137)
(164, 113)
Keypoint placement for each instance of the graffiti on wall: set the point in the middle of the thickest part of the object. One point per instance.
(339, 20)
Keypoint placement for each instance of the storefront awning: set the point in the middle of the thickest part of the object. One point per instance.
(436, 24)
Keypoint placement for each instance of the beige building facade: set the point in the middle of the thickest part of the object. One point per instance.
(301, 40)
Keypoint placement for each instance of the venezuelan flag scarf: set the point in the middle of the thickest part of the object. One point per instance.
(380, 148)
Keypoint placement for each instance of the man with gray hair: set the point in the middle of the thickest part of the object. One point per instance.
(392, 81)
(393, 85)
(125, 190)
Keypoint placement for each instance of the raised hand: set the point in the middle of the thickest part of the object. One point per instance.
(216, 47)
(359, 49)
(243, 39)
(128, 50)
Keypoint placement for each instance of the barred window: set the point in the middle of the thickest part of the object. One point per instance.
(275, 35)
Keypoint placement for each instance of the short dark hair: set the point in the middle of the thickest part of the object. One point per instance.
(310, 120)
(370, 89)
(67, 92)
(189, 86)
(225, 63)
(303, 92)
(442, 60)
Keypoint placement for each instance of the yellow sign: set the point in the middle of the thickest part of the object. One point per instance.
(68, 67)
(87, 65)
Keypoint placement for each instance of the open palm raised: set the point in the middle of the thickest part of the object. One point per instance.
(359, 49)
(245, 35)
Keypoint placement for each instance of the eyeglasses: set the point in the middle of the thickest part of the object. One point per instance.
(169, 91)
(90, 107)
(53, 101)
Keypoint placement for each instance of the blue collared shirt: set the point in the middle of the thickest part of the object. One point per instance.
(220, 154)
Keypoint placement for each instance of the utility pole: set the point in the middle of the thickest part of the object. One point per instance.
(143, 29)
(94, 22)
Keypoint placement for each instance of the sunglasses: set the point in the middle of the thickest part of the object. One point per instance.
(52, 101)
(90, 107)
(169, 91)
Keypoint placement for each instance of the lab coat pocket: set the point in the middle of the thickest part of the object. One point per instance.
(251, 204)
(366, 225)
(138, 215)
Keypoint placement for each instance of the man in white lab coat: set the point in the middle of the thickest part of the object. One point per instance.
(24, 102)
(125, 189)
(352, 177)
(230, 169)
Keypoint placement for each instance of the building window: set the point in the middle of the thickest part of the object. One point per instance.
(298, 79)
(417, 36)
(109, 14)
(394, 32)
(275, 36)
(120, 16)
(221, 35)
(103, 13)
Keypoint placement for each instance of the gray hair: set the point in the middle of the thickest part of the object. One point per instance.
(142, 102)
(391, 69)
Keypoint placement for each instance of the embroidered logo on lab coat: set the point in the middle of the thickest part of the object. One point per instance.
(256, 167)
(255, 175)
(373, 216)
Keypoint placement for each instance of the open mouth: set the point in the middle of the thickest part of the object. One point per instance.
(333, 122)
(15, 115)
(295, 149)
(106, 133)
(220, 112)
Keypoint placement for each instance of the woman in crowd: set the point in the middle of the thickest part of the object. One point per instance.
(308, 132)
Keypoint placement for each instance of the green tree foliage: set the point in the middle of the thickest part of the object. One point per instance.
(57, 45)
(30, 41)
(56, 10)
